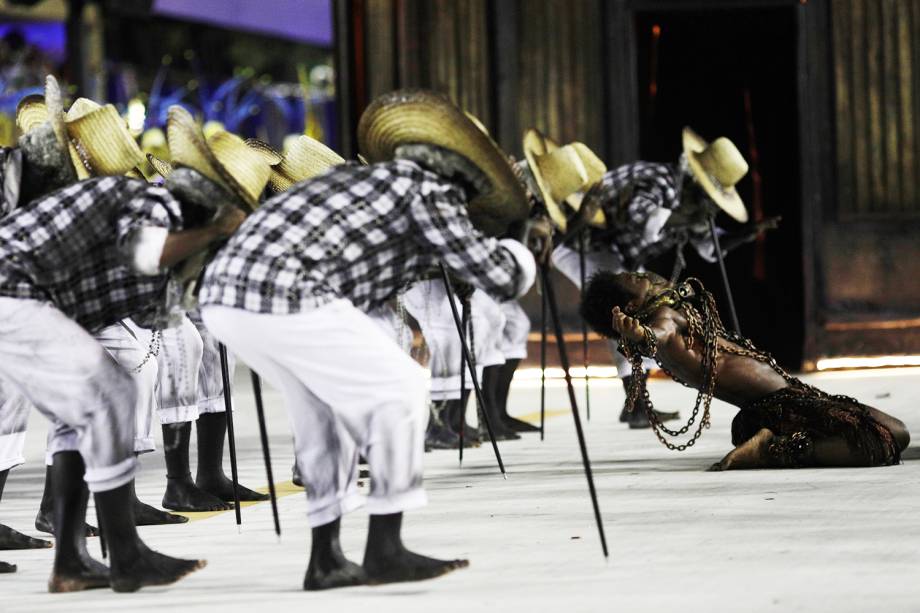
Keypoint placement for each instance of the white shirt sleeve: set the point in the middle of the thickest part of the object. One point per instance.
(526, 264)
(147, 249)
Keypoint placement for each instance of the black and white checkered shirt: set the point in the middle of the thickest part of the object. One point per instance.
(356, 232)
(72, 248)
(637, 200)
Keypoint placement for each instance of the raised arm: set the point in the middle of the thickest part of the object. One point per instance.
(659, 331)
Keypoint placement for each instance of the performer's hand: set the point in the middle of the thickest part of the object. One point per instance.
(227, 220)
(540, 238)
(770, 223)
(627, 327)
(462, 289)
(586, 212)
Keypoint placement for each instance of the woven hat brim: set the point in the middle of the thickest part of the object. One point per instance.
(31, 112)
(535, 143)
(162, 167)
(187, 145)
(242, 168)
(308, 158)
(103, 142)
(422, 117)
(727, 199)
(271, 156)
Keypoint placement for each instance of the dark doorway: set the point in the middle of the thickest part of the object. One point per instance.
(733, 73)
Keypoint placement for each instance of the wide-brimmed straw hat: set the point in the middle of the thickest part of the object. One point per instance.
(304, 159)
(717, 167)
(34, 110)
(562, 174)
(415, 117)
(223, 158)
(100, 142)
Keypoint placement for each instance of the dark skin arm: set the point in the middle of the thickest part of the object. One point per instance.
(185, 243)
(747, 234)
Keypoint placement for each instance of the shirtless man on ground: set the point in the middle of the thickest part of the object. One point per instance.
(783, 422)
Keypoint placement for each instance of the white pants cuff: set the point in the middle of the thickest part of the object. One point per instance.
(178, 415)
(145, 445)
(105, 478)
(397, 503)
(11, 450)
(321, 513)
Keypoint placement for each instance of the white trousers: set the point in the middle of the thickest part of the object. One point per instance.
(122, 342)
(348, 388)
(67, 375)
(14, 417)
(190, 381)
(427, 302)
(515, 332)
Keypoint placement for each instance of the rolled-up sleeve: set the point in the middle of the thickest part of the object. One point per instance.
(144, 222)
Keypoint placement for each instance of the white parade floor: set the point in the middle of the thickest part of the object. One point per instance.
(680, 538)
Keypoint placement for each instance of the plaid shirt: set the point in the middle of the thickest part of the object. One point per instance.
(73, 247)
(356, 232)
(637, 200)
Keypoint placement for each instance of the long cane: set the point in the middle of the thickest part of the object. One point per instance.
(462, 426)
(728, 289)
(564, 358)
(468, 359)
(543, 325)
(266, 454)
(584, 325)
(225, 375)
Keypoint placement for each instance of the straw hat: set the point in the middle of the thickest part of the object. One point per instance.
(304, 159)
(224, 158)
(100, 142)
(34, 110)
(563, 174)
(418, 117)
(717, 167)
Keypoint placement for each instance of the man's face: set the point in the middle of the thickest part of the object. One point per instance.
(638, 286)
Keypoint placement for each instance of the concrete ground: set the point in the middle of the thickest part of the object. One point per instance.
(680, 538)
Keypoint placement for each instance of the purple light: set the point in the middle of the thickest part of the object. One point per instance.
(308, 21)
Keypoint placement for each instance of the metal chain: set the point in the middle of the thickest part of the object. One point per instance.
(153, 350)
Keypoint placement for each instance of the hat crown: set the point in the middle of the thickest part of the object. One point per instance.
(563, 171)
(724, 163)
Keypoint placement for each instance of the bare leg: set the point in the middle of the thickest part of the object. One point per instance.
(74, 569)
(329, 568)
(13, 539)
(212, 428)
(386, 559)
(134, 565)
(44, 520)
(181, 492)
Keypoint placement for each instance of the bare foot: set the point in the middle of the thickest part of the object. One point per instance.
(151, 568)
(13, 539)
(750, 454)
(343, 574)
(43, 524)
(222, 487)
(146, 515)
(407, 566)
(183, 495)
(86, 574)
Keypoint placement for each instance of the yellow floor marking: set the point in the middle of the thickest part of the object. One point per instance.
(287, 488)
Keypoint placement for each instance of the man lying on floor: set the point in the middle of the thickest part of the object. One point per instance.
(783, 422)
